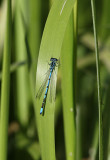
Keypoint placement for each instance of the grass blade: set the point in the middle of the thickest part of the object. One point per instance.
(22, 78)
(68, 91)
(105, 20)
(98, 83)
(50, 47)
(34, 35)
(106, 120)
(5, 92)
(34, 42)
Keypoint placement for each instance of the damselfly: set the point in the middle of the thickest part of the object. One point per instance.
(53, 63)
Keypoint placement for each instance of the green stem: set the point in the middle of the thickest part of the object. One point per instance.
(23, 96)
(5, 86)
(98, 83)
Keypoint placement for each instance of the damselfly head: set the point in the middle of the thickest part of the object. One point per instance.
(53, 59)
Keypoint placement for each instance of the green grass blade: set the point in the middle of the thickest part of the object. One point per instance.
(50, 47)
(34, 42)
(50, 3)
(2, 25)
(95, 141)
(68, 89)
(105, 20)
(5, 92)
(22, 77)
(98, 83)
(34, 35)
(106, 121)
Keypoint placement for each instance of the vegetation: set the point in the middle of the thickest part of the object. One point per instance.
(76, 122)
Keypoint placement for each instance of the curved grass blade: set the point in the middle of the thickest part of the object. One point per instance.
(98, 83)
(5, 91)
(50, 47)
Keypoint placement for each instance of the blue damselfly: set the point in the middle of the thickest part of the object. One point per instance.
(53, 63)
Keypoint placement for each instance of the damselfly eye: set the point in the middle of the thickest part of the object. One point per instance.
(53, 59)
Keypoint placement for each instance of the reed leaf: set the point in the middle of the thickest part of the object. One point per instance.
(50, 47)
(98, 82)
(5, 91)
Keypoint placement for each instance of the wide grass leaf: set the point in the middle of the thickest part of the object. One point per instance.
(50, 47)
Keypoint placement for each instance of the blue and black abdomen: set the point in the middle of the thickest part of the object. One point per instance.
(46, 92)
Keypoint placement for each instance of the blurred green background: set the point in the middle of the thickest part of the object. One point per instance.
(28, 22)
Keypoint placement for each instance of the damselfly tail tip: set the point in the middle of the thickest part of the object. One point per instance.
(41, 110)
